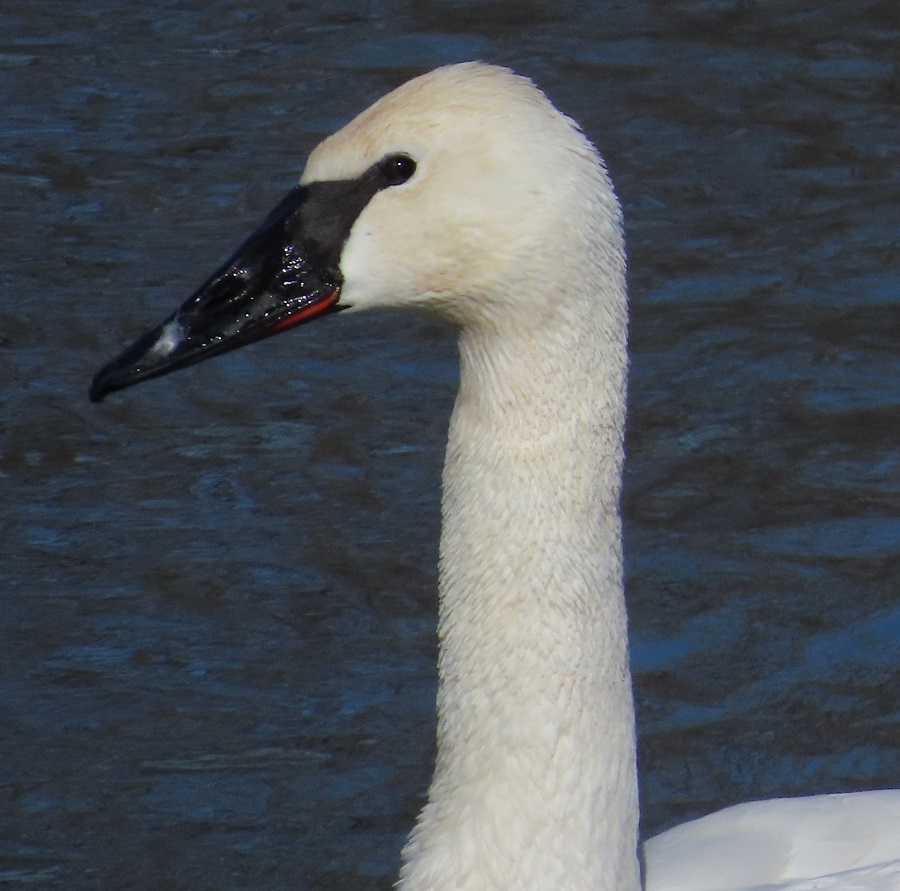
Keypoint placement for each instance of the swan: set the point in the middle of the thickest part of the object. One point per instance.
(465, 194)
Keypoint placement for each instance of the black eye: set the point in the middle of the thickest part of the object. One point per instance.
(397, 169)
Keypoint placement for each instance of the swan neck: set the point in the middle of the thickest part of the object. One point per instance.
(535, 780)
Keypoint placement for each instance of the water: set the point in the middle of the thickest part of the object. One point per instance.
(217, 662)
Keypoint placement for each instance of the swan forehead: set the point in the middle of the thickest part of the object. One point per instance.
(470, 109)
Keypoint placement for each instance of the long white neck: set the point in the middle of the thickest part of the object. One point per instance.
(535, 785)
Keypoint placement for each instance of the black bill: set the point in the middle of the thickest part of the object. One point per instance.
(285, 274)
(280, 277)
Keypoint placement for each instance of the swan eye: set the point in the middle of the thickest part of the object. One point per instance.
(397, 169)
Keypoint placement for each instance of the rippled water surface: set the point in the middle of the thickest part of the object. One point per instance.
(217, 651)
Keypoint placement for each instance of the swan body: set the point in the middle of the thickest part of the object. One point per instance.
(847, 841)
(466, 194)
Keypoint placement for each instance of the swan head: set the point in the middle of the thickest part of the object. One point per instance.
(464, 193)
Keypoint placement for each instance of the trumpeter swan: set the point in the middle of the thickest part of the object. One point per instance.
(465, 193)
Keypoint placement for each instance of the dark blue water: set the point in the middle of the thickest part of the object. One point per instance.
(216, 640)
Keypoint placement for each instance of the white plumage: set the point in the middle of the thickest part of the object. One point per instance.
(511, 229)
(849, 841)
